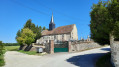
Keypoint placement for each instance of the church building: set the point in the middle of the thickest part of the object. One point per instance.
(63, 33)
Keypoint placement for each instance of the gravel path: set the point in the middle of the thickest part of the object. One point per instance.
(78, 59)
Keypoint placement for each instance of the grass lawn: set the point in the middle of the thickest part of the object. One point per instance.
(104, 61)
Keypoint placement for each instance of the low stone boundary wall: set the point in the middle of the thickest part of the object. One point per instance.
(115, 53)
(83, 46)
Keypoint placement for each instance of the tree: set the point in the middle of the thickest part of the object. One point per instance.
(98, 26)
(28, 24)
(40, 28)
(104, 21)
(36, 30)
(44, 28)
(27, 37)
(19, 35)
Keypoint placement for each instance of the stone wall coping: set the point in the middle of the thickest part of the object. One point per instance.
(82, 43)
(116, 41)
(39, 46)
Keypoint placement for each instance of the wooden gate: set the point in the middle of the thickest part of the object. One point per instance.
(61, 46)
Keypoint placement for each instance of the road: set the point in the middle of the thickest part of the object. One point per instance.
(78, 59)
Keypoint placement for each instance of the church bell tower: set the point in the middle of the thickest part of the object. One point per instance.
(51, 25)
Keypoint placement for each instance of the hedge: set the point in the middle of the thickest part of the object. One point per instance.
(1, 54)
(10, 44)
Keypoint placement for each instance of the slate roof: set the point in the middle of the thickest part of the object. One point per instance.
(59, 30)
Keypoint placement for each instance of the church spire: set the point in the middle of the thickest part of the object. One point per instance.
(52, 20)
(52, 24)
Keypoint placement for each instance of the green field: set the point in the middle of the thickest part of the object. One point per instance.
(12, 48)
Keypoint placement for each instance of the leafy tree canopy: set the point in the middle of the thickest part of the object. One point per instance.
(104, 21)
(35, 29)
(27, 37)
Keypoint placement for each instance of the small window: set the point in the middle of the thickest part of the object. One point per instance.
(54, 36)
(62, 35)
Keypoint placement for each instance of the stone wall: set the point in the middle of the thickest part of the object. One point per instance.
(115, 53)
(83, 46)
(47, 48)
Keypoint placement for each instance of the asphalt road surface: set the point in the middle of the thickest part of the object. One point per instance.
(78, 59)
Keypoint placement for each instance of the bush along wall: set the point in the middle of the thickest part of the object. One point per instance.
(1, 54)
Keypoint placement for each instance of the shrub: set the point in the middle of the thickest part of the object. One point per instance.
(1, 54)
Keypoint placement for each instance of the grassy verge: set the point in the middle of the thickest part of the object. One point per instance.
(104, 61)
(28, 52)
(32, 53)
(15, 48)
(6, 48)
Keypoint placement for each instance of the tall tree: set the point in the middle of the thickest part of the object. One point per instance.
(36, 30)
(104, 21)
(40, 28)
(18, 34)
(28, 24)
(44, 28)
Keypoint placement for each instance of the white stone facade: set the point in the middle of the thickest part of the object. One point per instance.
(72, 35)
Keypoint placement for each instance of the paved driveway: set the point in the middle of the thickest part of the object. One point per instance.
(78, 59)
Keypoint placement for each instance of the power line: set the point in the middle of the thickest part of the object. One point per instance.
(58, 12)
(25, 6)
(38, 11)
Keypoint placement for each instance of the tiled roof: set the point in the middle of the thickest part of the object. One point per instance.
(59, 30)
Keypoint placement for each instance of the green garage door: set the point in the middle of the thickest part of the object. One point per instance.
(61, 47)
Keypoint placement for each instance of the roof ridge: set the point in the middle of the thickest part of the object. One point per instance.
(66, 25)
(59, 30)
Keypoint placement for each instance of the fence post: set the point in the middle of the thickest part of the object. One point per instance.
(51, 46)
(69, 46)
